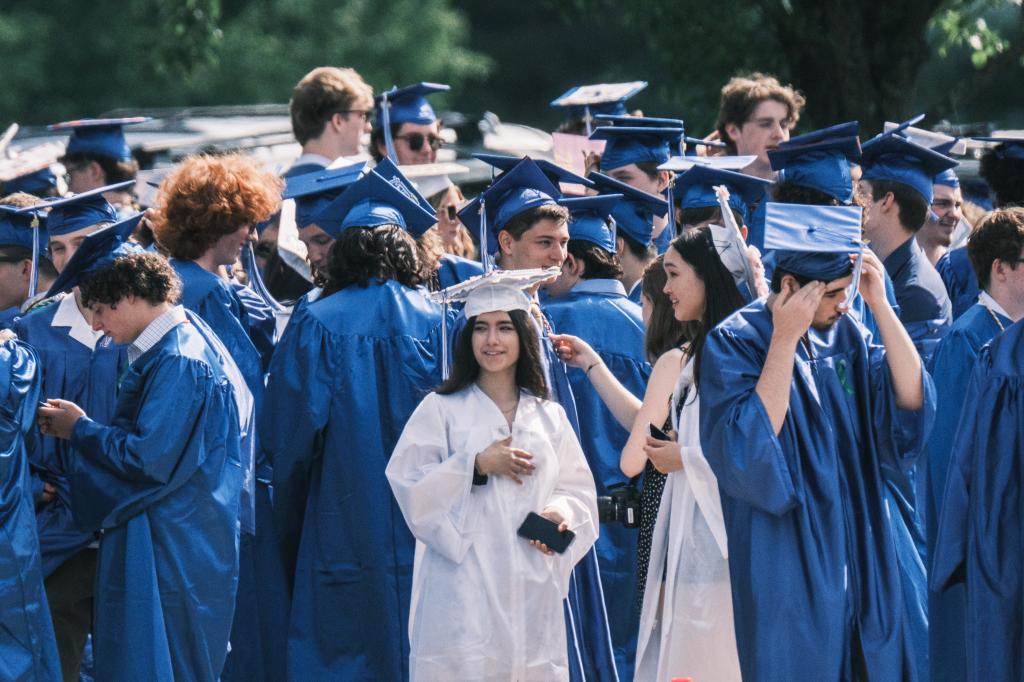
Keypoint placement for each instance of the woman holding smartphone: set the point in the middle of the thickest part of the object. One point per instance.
(477, 456)
(686, 622)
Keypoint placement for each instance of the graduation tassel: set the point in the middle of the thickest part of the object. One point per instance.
(389, 144)
(444, 339)
(858, 266)
(256, 279)
(671, 209)
(484, 256)
(586, 119)
(33, 280)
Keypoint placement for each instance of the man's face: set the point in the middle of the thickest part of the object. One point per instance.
(830, 309)
(353, 124)
(542, 246)
(564, 283)
(634, 177)
(872, 216)
(318, 245)
(417, 143)
(13, 281)
(767, 126)
(63, 247)
(946, 211)
(120, 321)
(83, 176)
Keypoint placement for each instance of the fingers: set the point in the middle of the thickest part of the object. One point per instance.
(49, 412)
(523, 454)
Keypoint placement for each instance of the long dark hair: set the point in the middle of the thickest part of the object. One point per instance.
(721, 296)
(664, 332)
(529, 369)
(361, 254)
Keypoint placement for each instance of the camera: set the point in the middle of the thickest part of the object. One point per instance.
(620, 505)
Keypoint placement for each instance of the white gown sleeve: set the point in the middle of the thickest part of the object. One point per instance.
(432, 484)
(575, 498)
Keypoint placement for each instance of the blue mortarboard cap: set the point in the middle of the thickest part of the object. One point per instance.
(589, 219)
(373, 201)
(582, 101)
(553, 171)
(947, 178)
(693, 142)
(820, 160)
(523, 187)
(394, 175)
(38, 183)
(696, 188)
(897, 159)
(638, 121)
(99, 136)
(79, 211)
(405, 105)
(627, 144)
(314, 191)
(899, 129)
(97, 250)
(634, 214)
(18, 225)
(408, 104)
(1009, 147)
(814, 242)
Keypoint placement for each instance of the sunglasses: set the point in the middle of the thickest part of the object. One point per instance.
(416, 140)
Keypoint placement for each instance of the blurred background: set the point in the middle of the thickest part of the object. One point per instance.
(872, 60)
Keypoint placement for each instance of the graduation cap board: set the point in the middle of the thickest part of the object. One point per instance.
(25, 227)
(492, 291)
(731, 247)
(374, 200)
(1009, 147)
(405, 105)
(585, 101)
(82, 210)
(691, 144)
(944, 144)
(97, 250)
(99, 136)
(634, 214)
(555, 173)
(816, 241)
(639, 121)
(679, 164)
(897, 159)
(637, 144)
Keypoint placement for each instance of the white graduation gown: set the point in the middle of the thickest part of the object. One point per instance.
(485, 604)
(686, 623)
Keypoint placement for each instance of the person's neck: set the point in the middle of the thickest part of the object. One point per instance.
(1013, 305)
(148, 313)
(499, 386)
(887, 240)
(327, 147)
(760, 169)
(632, 271)
(208, 262)
(933, 249)
(659, 225)
(86, 313)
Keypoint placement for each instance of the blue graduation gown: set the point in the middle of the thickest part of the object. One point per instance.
(816, 563)
(8, 316)
(635, 292)
(452, 270)
(598, 312)
(979, 536)
(245, 325)
(163, 482)
(954, 267)
(663, 240)
(346, 376)
(87, 377)
(951, 367)
(28, 651)
(925, 309)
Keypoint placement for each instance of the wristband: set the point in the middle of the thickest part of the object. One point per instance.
(587, 373)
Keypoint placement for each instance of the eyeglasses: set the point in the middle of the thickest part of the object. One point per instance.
(364, 114)
(416, 140)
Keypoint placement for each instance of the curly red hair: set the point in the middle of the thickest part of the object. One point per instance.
(208, 197)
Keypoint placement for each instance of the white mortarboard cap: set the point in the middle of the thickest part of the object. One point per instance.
(944, 144)
(497, 290)
(684, 163)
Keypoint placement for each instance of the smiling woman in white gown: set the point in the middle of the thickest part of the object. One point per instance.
(477, 456)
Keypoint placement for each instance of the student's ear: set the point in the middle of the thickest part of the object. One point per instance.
(789, 284)
(574, 267)
(26, 269)
(664, 177)
(620, 246)
(744, 231)
(505, 241)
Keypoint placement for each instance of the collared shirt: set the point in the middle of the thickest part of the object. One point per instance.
(155, 331)
(919, 289)
(600, 286)
(68, 315)
(991, 303)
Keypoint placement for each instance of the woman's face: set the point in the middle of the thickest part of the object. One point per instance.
(228, 248)
(685, 290)
(495, 342)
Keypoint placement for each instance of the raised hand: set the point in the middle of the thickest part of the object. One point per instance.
(503, 460)
(793, 310)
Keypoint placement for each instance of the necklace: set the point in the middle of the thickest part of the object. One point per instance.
(996, 318)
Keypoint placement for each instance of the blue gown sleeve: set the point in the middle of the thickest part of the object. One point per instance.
(121, 466)
(739, 442)
(295, 411)
(951, 370)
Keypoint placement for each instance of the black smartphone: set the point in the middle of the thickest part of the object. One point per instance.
(657, 433)
(536, 527)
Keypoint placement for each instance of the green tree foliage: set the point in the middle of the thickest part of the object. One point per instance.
(69, 59)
